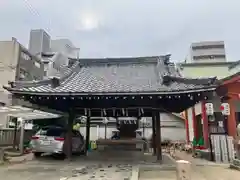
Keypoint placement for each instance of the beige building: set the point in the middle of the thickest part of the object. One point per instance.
(206, 69)
(206, 51)
(16, 64)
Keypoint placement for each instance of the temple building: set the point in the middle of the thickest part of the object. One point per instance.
(117, 87)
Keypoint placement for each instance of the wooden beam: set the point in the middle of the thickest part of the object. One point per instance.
(87, 131)
(154, 132)
(69, 134)
(41, 108)
(158, 136)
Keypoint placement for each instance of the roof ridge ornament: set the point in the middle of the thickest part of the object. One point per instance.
(55, 82)
(166, 59)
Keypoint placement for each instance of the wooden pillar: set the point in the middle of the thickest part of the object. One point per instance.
(205, 125)
(158, 136)
(87, 132)
(187, 126)
(22, 131)
(231, 120)
(71, 117)
(15, 133)
(154, 132)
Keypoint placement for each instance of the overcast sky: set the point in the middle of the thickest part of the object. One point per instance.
(113, 28)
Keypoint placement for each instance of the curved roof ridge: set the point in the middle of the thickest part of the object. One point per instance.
(156, 75)
(75, 67)
(197, 81)
(119, 61)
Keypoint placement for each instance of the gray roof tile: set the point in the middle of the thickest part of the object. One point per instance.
(118, 75)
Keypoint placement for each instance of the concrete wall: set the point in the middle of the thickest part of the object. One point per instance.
(173, 128)
(235, 69)
(174, 134)
(205, 71)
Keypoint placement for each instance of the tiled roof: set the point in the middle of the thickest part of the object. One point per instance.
(118, 75)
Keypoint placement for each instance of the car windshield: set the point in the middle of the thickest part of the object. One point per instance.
(56, 132)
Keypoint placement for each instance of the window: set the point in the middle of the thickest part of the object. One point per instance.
(25, 56)
(208, 57)
(57, 132)
(220, 46)
(37, 64)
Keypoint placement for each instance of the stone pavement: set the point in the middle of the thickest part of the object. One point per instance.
(53, 169)
(215, 173)
(199, 172)
(96, 167)
(206, 170)
(196, 161)
(116, 166)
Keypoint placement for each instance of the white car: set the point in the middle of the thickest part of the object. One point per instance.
(51, 139)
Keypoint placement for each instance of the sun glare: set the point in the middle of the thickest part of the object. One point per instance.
(88, 22)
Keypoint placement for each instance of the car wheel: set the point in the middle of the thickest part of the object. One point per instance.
(37, 154)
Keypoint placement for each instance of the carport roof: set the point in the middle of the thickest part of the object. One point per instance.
(27, 113)
(35, 115)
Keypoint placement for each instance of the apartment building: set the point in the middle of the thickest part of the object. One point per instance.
(206, 51)
(55, 54)
(16, 64)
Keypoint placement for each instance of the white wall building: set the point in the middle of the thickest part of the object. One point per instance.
(64, 46)
(206, 51)
(39, 41)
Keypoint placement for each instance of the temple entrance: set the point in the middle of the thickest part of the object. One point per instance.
(127, 131)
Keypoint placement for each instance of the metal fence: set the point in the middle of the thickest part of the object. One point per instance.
(7, 136)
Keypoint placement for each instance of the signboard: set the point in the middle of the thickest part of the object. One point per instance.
(225, 109)
(209, 108)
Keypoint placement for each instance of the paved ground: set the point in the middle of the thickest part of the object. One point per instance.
(110, 166)
(216, 173)
(198, 173)
(62, 170)
(96, 166)
(201, 170)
